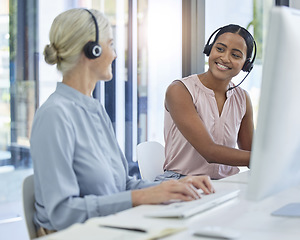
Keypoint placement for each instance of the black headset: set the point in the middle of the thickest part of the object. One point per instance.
(248, 65)
(92, 49)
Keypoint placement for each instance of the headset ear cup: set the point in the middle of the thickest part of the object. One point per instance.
(248, 65)
(207, 49)
(92, 50)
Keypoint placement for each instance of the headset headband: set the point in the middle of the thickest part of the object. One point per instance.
(92, 49)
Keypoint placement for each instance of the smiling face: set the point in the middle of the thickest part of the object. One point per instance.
(227, 56)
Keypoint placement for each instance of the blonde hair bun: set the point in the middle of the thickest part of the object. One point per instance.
(50, 54)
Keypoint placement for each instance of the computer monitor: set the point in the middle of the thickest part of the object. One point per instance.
(275, 156)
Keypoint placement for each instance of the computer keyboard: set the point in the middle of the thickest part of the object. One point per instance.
(187, 209)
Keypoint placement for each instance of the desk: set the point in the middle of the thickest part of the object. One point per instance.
(252, 220)
(242, 177)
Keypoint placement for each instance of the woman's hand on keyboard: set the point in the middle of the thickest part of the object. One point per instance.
(200, 182)
(182, 190)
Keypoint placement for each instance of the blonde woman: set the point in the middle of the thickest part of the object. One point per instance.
(79, 169)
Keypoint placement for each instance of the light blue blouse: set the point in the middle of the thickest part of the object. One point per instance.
(79, 169)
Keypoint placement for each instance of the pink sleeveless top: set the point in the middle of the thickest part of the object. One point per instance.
(181, 156)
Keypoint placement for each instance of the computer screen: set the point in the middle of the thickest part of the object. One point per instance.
(275, 156)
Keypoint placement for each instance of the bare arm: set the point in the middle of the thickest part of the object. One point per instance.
(247, 127)
(180, 105)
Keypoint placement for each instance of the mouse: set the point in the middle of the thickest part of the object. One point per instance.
(217, 232)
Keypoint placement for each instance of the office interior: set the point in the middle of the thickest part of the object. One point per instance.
(157, 41)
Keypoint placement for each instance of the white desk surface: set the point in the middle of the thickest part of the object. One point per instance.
(242, 177)
(253, 220)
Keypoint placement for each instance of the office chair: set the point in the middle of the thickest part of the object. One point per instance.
(28, 205)
(150, 157)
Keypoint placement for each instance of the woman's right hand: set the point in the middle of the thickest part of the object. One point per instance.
(171, 190)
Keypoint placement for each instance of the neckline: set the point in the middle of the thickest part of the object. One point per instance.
(210, 91)
(77, 97)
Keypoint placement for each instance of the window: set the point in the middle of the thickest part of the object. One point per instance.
(18, 78)
(4, 85)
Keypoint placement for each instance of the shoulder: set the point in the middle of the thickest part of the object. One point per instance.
(183, 85)
(175, 85)
(178, 95)
(248, 101)
(242, 98)
(177, 90)
(55, 110)
(247, 95)
(244, 94)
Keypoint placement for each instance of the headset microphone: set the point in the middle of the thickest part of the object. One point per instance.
(92, 49)
(239, 83)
